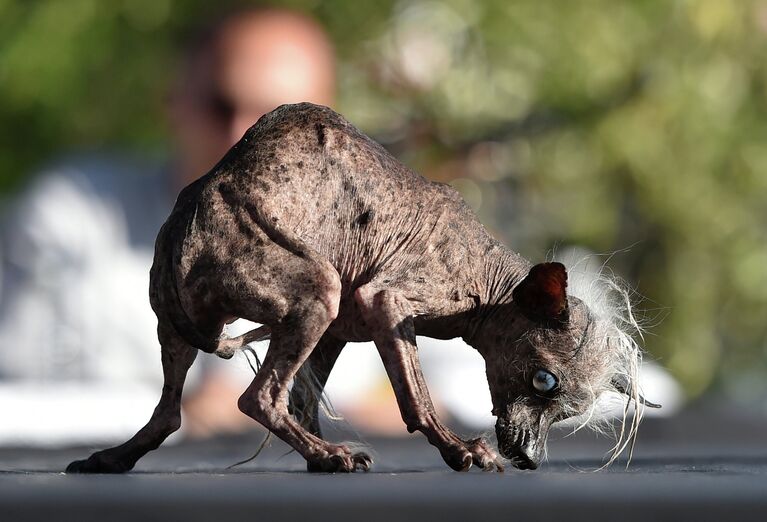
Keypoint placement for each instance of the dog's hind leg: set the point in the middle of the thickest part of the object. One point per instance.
(306, 394)
(312, 290)
(265, 400)
(177, 357)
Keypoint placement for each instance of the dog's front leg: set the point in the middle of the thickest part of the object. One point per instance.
(390, 319)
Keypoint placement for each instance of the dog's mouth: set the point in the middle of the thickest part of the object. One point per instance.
(522, 445)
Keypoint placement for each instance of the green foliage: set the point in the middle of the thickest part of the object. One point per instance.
(601, 123)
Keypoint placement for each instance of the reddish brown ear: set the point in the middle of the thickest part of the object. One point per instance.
(541, 295)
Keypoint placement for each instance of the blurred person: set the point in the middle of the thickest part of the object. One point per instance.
(77, 335)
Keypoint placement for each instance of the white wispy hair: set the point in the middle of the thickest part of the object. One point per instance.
(616, 338)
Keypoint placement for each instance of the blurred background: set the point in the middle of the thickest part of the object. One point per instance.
(629, 128)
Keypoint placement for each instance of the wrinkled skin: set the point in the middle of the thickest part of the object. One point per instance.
(524, 415)
(313, 230)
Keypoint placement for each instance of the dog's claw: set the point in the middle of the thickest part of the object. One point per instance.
(362, 461)
(475, 451)
(330, 464)
(493, 465)
(467, 462)
(459, 459)
(344, 462)
(337, 463)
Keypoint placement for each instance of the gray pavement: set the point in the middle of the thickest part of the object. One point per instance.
(702, 465)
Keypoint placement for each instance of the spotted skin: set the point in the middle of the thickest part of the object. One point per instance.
(311, 228)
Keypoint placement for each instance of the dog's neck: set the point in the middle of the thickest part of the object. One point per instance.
(485, 287)
(502, 270)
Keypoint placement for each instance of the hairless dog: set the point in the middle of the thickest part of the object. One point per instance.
(313, 230)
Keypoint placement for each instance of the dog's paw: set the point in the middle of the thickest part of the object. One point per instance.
(98, 463)
(457, 456)
(339, 460)
(362, 461)
(483, 455)
(462, 454)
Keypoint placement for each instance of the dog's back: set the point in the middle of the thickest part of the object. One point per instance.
(303, 175)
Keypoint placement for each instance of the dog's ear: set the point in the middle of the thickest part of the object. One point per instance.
(541, 295)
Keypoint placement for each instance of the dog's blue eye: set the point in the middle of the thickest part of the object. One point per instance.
(543, 381)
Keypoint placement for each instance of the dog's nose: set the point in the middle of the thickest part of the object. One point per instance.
(522, 459)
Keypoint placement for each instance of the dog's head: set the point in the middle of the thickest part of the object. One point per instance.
(548, 357)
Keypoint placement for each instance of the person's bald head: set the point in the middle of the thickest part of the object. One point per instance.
(246, 65)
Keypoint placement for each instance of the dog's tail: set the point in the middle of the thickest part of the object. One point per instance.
(224, 347)
(227, 346)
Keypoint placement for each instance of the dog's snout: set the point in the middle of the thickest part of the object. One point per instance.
(520, 445)
(522, 458)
